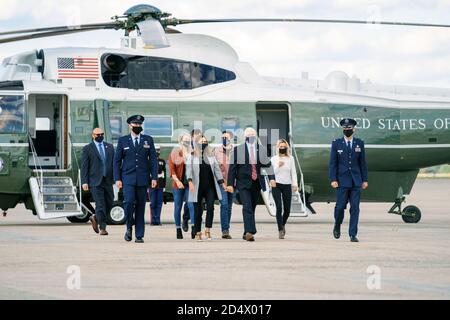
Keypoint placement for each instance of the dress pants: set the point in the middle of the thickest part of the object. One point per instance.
(208, 193)
(282, 195)
(156, 203)
(103, 196)
(135, 199)
(344, 195)
(249, 198)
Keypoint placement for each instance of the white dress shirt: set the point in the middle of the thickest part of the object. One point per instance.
(133, 137)
(346, 142)
(286, 174)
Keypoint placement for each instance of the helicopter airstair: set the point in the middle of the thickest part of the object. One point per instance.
(298, 202)
(54, 194)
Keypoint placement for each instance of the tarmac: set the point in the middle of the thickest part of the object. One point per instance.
(394, 260)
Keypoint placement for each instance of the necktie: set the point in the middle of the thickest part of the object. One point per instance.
(102, 155)
(349, 146)
(136, 142)
(253, 163)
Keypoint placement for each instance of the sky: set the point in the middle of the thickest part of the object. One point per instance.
(384, 54)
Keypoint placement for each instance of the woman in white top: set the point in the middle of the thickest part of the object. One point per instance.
(286, 176)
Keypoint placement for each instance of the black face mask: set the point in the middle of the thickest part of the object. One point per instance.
(283, 151)
(348, 133)
(99, 139)
(251, 140)
(137, 130)
(204, 146)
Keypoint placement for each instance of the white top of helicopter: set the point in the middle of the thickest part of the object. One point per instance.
(338, 87)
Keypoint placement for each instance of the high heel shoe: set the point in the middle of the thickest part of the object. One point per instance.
(198, 236)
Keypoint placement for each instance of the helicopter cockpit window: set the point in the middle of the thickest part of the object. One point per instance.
(12, 115)
(137, 72)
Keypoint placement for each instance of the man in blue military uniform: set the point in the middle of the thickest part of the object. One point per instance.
(348, 174)
(135, 162)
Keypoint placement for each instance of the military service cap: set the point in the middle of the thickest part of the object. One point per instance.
(348, 123)
(136, 119)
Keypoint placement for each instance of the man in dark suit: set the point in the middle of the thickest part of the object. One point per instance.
(348, 175)
(97, 177)
(244, 172)
(135, 163)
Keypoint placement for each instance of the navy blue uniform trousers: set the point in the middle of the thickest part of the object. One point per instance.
(344, 196)
(135, 199)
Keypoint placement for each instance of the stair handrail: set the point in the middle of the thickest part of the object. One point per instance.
(78, 167)
(37, 164)
(297, 161)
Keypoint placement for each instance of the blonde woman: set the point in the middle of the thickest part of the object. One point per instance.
(205, 177)
(180, 186)
(286, 177)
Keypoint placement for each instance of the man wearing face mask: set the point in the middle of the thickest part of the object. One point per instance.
(348, 175)
(244, 172)
(135, 163)
(97, 177)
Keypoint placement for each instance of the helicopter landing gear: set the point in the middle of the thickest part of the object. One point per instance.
(410, 214)
(5, 213)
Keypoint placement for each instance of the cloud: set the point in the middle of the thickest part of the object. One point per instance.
(385, 54)
(9, 9)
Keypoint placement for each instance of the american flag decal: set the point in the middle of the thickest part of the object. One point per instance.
(78, 68)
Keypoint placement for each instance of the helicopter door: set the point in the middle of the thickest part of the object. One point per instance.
(273, 123)
(48, 129)
(102, 117)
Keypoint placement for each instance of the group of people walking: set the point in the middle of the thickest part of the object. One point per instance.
(201, 175)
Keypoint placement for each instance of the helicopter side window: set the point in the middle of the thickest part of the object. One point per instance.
(161, 74)
(158, 126)
(12, 114)
(204, 75)
(116, 127)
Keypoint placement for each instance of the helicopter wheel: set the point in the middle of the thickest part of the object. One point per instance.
(117, 214)
(411, 214)
(82, 218)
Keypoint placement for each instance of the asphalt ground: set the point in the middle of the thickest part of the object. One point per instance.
(59, 260)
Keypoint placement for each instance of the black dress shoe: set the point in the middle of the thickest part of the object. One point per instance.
(179, 234)
(337, 232)
(185, 226)
(128, 235)
(139, 240)
(354, 239)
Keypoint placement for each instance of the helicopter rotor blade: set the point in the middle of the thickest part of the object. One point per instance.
(174, 22)
(47, 29)
(58, 32)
